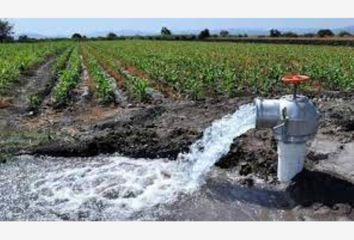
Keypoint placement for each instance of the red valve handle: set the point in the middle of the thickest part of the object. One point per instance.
(295, 79)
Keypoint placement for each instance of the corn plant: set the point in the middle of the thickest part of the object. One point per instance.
(104, 85)
(68, 79)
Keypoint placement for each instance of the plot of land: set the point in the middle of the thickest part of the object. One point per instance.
(152, 99)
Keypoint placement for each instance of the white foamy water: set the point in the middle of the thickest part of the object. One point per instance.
(116, 187)
(215, 143)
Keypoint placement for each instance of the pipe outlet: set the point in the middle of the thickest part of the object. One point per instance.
(294, 120)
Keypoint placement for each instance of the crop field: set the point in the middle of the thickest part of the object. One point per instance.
(176, 69)
(202, 69)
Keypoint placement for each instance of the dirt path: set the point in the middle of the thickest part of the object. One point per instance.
(83, 111)
(27, 85)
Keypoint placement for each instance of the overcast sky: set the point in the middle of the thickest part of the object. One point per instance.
(52, 27)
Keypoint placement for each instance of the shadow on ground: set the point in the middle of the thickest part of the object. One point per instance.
(306, 189)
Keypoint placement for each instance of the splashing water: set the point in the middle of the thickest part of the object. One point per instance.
(215, 143)
(116, 187)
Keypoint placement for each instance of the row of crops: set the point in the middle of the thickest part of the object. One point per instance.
(68, 78)
(198, 69)
(136, 86)
(19, 58)
(103, 85)
(190, 69)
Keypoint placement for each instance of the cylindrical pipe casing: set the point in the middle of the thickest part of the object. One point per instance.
(291, 158)
(268, 113)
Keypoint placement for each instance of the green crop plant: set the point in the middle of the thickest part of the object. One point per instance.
(61, 61)
(137, 86)
(34, 102)
(104, 85)
(68, 79)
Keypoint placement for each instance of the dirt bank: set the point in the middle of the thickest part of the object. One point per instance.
(151, 131)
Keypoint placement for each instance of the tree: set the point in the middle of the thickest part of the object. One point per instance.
(344, 34)
(325, 33)
(23, 38)
(76, 36)
(192, 37)
(165, 31)
(309, 35)
(290, 34)
(204, 34)
(224, 33)
(5, 30)
(111, 35)
(274, 33)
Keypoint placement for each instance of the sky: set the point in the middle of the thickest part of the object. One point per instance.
(67, 26)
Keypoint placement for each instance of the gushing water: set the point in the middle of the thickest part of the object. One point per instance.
(215, 143)
(116, 187)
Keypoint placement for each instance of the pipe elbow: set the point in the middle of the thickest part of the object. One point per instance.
(267, 113)
(292, 120)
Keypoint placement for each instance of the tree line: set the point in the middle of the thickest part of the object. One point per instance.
(6, 35)
(166, 34)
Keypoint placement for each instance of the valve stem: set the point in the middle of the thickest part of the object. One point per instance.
(295, 90)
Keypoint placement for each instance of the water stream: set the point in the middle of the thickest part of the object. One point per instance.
(113, 186)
